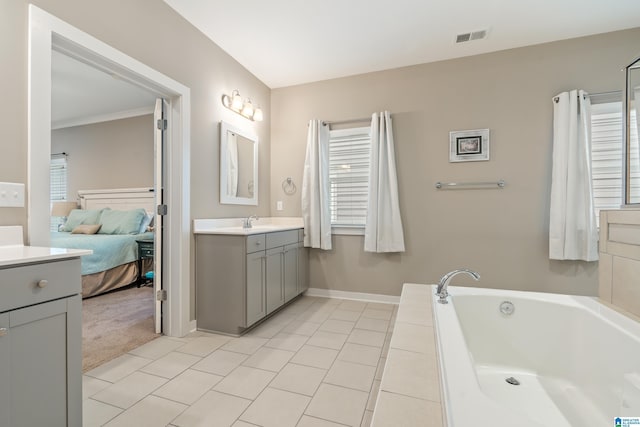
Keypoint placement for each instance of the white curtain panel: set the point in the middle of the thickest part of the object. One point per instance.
(232, 165)
(573, 234)
(315, 188)
(383, 230)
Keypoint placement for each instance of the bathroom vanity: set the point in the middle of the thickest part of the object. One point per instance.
(40, 336)
(245, 274)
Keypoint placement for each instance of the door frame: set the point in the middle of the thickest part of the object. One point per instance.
(47, 32)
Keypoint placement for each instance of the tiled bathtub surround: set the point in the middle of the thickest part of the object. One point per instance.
(619, 265)
(316, 363)
(410, 393)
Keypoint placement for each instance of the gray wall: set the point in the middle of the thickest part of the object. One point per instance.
(114, 154)
(501, 233)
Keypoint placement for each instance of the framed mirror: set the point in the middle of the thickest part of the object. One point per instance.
(238, 166)
(632, 131)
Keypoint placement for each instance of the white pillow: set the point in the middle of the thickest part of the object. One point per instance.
(146, 221)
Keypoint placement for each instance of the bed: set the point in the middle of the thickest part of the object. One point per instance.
(114, 262)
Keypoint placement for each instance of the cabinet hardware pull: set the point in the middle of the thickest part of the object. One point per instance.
(43, 283)
(3, 332)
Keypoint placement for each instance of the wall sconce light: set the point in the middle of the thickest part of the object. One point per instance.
(245, 108)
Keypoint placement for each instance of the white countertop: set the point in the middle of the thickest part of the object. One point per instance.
(233, 226)
(14, 255)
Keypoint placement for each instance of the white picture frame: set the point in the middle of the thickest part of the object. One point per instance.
(469, 145)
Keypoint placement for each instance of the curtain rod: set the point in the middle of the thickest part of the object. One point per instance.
(59, 154)
(611, 92)
(340, 122)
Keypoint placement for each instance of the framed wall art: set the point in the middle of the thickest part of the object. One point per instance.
(469, 145)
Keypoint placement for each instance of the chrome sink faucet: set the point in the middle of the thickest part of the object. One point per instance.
(246, 222)
(444, 282)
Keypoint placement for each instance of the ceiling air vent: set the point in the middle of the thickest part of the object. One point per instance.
(474, 35)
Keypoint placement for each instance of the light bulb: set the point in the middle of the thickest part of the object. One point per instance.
(257, 115)
(236, 101)
(247, 111)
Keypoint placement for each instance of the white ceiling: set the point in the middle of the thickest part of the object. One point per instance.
(288, 42)
(82, 94)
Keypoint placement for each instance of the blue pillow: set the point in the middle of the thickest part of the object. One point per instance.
(121, 222)
(79, 217)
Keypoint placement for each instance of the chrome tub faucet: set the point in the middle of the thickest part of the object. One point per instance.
(444, 282)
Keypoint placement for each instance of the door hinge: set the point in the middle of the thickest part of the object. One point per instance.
(161, 295)
(162, 209)
(162, 124)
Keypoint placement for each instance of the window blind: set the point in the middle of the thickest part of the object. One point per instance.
(349, 159)
(58, 182)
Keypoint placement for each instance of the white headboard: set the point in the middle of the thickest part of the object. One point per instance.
(119, 199)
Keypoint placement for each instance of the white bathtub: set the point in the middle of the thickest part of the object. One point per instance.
(577, 361)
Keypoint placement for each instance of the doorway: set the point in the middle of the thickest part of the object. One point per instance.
(46, 33)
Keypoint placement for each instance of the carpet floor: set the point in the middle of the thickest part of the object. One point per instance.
(115, 323)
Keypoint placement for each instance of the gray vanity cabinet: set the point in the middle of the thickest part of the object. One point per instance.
(40, 345)
(303, 264)
(241, 279)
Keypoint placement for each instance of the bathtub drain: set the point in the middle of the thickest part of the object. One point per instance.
(512, 381)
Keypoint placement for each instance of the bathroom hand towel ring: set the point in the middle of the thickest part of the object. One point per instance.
(288, 187)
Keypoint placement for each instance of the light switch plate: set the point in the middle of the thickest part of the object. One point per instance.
(279, 205)
(11, 195)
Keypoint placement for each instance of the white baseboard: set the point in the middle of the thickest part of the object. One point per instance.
(357, 296)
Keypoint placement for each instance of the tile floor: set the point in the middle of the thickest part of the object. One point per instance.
(318, 362)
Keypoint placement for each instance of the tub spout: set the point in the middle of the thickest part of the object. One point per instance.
(444, 282)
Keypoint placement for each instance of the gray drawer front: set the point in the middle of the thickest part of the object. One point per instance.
(20, 284)
(281, 238)
(301, 235)
(255, 243)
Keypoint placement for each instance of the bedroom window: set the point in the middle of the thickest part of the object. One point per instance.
(58, 180)
(349, 158)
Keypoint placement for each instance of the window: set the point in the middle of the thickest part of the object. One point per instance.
(58, 180)
(607, 153)
(349, 158)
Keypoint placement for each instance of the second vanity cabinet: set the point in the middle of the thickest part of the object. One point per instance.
(240, 279)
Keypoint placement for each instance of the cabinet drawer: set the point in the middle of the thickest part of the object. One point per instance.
(255, 243)
(20, 285)
(281, 238)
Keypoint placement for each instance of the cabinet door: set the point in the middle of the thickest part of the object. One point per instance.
(256, 304)
(275, 295)
(38, 361)
(290, 270)
(5, 370)
(303, 268)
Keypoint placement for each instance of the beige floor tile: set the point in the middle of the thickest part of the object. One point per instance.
(245, 344)
(373, 395)
(170, 365)
(270, 359)
(266, 330)
(299, 379)
(342, 314)
(367, 323)
(91, 386)
(205, 345)
(358, 353)
(276, 408)
(157, 348)
(338, 404)
(351, 375)
(317, 357)
(395, 410)
(327, 340)
(213, 410)
(412, 374)
(151, 411)
(307, 421)
(119, 368)
(220, 362)
(95, 414)
(364, 337)
(188, 387)
(129, 390)
(289, 342)
(380, 368)
(317, 316)
(352, 305)
(243, 424)
(245, 382)
(366, 419)
(381, 306)
(302, 328)
(337, 326)
(377, 314)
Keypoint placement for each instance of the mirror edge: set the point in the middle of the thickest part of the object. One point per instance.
(224, 198)
(626, 164)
